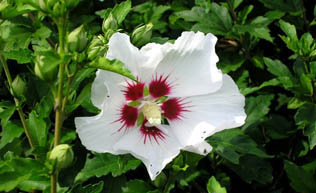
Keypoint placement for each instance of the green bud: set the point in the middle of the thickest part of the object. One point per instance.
(77, 39)
(46, 66)
(160, 180)
(42, 4)
(109, 23)
(97, 47)
(142, 35)
(19, 86)
(62, 155)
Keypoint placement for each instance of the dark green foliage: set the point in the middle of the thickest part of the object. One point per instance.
(268, 47)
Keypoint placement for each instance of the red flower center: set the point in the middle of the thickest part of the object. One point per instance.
(171, 108)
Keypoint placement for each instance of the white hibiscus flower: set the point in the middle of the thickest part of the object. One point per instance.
(180, 99)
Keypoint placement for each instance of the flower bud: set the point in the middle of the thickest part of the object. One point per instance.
(96, 48)
(77, 39)
(109, 23)
(142, 35)
(62, 155)
(46, 66)
(19, 86)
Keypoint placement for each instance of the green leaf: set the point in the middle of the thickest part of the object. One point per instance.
(21, 170)
(233, 143)
(243, 14)
(278, 127)
(305, 118)
(230, 61)
(256, 108)
(86, 91)
(103, 164)
(136, 186)
(307, 84)
(213, 186)
(218, 21)
(236, 3)
(301, 180)
(10, 131)
(292, 6)
(252, 168)
(272, 82)
(22, 56)
(258, 27)
(277, 68)
(121, 10)
(6, 111)
(38, 129)
(291, 39)
(90, 188)
(113, 66)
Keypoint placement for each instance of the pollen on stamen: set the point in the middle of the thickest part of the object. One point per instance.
(128, 117)
(173, 108)
(134, 91)
(159, 87)
(151, 133)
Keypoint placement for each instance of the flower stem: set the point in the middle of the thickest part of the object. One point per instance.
(17, 102)
(59, 116)
(170, 182)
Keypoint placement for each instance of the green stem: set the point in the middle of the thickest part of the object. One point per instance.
(59, 116)
(17, 102)
(171, 180)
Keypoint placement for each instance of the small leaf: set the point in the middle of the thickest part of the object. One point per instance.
(90, 188)
(121, 10)
(22, 56)
(136, 186)
(10, 131)
(301, 180)
(103, 164)
(256, 108)
(213, 186)
(38, 129)
(233, 143)
(113, 66)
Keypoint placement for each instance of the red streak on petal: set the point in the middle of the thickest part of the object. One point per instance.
(151, 133)
(134, 91)
(173, 108)
(159, 87)
(128, 117)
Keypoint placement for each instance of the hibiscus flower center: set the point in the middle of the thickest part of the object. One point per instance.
(152, 113)
(149, 107)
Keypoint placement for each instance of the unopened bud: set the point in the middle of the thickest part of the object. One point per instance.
(109, 23)
(142, 35)
(96, 48)
(62, 155)
(19, 86)
(77, 39)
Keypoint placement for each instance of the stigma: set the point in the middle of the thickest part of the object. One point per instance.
(152, 113)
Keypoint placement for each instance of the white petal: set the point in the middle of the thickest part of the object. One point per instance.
(191, 65)
(99, 133)
(202, 148)
(107, 87)
(211, 113)
(122, 49)
(155, 156)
